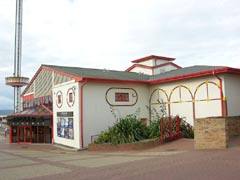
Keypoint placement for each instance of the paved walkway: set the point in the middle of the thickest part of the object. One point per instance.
(175, 160)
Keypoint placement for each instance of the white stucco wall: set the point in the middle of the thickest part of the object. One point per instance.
(232, 89)
(163, 69)
(142, 70)
(159, 62)
(207, 101)
(99, 98)
(65, 107)
(97, 115)
(150, 62)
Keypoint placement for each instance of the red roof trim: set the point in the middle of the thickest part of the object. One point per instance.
(174, 78)
(197, 74)
(77, 79)
(153, 57)
(170, 79)
(30, 115)
(32, 80)
(152, 67)
(137, 65)
(21, 114)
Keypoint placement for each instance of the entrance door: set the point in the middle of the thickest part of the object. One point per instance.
(28, 134)
(24, 134)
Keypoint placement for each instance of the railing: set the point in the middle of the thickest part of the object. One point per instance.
(174, 128)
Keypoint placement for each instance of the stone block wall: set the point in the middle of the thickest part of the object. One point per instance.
(210, 133)
(233, 126)
(215, 132)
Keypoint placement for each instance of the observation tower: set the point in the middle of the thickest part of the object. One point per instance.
(17, 81)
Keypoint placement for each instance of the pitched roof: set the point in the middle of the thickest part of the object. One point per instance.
(184, 71)
(187, 72)
(103, 75)
(32, 112)
(151, 67)
(100, 73)
(153, 57)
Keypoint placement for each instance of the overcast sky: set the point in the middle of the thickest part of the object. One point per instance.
(111, 33)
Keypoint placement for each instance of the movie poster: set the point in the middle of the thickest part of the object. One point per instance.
(65, 125)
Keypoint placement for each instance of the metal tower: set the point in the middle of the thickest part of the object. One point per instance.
(17, 81)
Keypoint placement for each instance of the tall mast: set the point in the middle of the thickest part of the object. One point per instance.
(16, 80)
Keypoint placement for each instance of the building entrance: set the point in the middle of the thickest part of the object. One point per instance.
(30, 134)
(24, 134)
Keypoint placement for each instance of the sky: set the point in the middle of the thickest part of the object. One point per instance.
(110, 34)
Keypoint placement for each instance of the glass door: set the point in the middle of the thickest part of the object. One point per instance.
(27, 134)
(24, 134)
(20, 134)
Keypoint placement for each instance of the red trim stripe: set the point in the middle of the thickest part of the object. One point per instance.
(152, 67)
(153, 57)
(197, 74)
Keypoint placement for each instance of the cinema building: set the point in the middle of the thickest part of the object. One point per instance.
(72, 105)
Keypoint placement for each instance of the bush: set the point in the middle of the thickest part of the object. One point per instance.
(104, 137)
(153, 130)
(130, 129)
(186, 131)
(126, 130)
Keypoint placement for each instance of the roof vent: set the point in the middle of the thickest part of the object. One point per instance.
(105, 70)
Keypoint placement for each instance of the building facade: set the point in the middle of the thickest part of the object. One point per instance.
(76, 104)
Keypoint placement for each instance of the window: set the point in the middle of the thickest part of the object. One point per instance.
(122, 97)
(59, 99)
(70, 97)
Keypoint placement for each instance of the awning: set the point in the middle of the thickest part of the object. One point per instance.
(34, 116)
(37, 111)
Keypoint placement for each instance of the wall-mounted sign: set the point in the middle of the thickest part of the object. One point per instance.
(116, 96)
(65, 125)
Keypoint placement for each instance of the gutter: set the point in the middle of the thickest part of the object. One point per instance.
(223, 103)
(81, 112)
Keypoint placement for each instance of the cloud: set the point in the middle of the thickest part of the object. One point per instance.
(109, 34)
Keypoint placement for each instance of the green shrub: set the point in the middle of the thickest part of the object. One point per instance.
(130, 129)
(153, 130)
(104, 137)
(126, 130)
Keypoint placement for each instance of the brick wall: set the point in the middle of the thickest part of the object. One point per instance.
(141, 145)
(210, 133)
(215, 132)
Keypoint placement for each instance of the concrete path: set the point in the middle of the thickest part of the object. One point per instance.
(175, 160)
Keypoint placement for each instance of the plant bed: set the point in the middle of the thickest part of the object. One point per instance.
(140, 145)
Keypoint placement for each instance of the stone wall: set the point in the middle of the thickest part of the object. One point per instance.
(233, 126)
(215, 132)
(210, 133)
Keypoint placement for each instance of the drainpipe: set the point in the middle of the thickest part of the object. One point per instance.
(10, 135)
(223, 103)
(81, 112)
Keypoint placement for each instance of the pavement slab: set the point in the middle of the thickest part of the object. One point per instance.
(57, 158)
(15, 162)
(174, 160)
(104, 161)
(19, 173)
